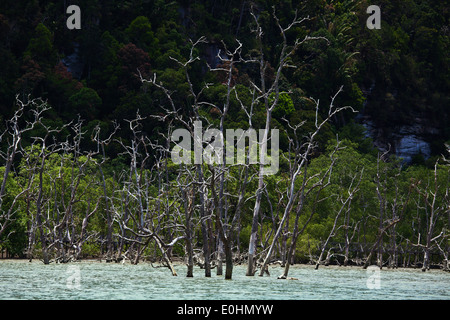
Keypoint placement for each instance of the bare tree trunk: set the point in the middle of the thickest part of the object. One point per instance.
(346, 238)
(284, 239)
(189, 248)
(39, 213)
(225, 241)
(109, 218)
(430, 198)
(263, 148)
(269, 107)
(377, 242)
(165, 257)
(346, 203)
(83, 234)
(382, 201)
(188, 209)
(13, 133)
(204, 226)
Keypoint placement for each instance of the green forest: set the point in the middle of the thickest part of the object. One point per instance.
(86, 117)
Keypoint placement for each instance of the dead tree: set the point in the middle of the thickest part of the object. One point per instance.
(225, 243)
(396, 205)
(445, 253)
(381, 190)
(79, 163)
(186, 199)
(47, 148)
(101, 144)
(345, 205)
(349, 239)
(433, 209)
(321, 184)
(385, 226)
(189, 125)
(299, 168)
(140, 217)
(138, 156)
(13, 135)
(84, 234)
(264, 91)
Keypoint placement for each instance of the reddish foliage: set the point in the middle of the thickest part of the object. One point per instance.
(223, 75)
(64, 74)
(133, 59)
(32, 74)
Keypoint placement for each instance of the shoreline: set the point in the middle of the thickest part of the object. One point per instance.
(178, 262)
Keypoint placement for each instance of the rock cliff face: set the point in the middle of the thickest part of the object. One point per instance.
(74, 63)
(410, 145)
(405, 141)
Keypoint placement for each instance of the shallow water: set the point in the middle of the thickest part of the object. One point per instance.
(20, 279)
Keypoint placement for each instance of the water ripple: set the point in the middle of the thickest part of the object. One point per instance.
(21, 279)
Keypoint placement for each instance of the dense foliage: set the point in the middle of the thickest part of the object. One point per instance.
(84, 186)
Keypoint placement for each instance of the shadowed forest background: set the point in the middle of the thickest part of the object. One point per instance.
(86, 170)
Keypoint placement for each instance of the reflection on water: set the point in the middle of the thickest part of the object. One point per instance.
(21, 279)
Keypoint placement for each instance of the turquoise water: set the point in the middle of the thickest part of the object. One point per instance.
(21, 279)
